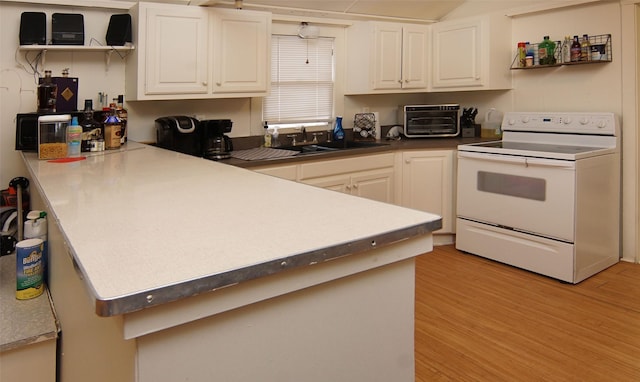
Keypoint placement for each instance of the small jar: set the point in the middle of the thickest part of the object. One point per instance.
(528, 61)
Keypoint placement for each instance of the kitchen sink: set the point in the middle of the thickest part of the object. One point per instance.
(317, 148)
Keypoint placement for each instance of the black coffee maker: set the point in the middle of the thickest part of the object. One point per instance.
(216, 145)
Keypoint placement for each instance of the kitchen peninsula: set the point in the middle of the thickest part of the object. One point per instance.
(167, 267)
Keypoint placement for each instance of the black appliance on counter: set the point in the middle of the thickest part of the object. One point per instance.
(428, 121)
(216, 144)
(179, 133)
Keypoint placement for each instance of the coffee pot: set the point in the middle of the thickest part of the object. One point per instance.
(216, 145)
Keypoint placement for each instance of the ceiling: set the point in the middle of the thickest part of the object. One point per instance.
(424, 10)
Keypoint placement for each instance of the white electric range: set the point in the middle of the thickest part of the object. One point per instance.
(545, 198)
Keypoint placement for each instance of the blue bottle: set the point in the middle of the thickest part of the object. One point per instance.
(338, 132)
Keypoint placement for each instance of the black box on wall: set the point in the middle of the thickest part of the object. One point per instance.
(119, 30)
(67, 29)
(33, 28)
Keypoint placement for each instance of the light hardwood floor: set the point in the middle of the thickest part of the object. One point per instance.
(479, 320)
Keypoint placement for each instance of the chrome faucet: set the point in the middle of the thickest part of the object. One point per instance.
(303, 130)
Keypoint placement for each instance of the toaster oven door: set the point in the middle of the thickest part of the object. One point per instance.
(432, 123)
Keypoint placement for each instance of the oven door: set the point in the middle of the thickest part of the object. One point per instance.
(531, 195)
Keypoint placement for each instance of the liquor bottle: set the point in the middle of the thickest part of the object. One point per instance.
(123, 115)
(546, 50)
(47, 93)
(576, 50)
(91, 129)
(585, 45)
(112, 128)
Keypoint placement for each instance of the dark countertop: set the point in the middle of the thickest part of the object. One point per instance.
(23, 322)
(394, 145)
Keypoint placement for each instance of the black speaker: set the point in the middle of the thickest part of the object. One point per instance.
(67, 29)
(33, 28)
(119, 30)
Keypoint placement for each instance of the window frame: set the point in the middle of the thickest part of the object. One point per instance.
(293, 122)
(337, 30)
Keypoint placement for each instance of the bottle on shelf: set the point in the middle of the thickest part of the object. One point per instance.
(546, 52)
(91, 129)
(74, 138)
(112, 128)
(566, 49)
(47, 93)
(123, 115)
(585, 45)
(576, 50)
(338, 131)
(522, 54)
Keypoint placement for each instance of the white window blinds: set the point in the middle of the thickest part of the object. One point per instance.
(302, 75)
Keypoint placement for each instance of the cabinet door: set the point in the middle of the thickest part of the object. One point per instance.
(427, 184)
(340, 183)
(457, 53)
(176, 49)
(387, 62)
(241, 53)
(376, 185)
(414, 56)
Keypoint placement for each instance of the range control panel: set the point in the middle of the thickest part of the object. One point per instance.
(557, 122)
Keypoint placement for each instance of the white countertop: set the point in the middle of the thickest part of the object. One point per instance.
(144, 220)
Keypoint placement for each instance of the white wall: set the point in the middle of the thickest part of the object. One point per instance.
(18, 83)
(579, 88)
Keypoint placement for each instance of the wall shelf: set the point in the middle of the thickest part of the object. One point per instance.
(602, 41)
(43, 49)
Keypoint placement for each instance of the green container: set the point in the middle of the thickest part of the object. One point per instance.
(546, 51)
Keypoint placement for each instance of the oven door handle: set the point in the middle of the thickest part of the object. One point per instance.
(524, 161)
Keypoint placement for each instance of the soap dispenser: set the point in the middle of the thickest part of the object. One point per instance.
(338, 131)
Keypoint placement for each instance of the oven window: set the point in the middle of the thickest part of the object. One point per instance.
(512, 185)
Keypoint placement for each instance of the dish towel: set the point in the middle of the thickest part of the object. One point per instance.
(262, 153)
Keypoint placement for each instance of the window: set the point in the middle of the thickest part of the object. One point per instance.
(302, 77)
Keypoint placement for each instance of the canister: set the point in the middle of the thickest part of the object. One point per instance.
(52, 136)
(29, 269)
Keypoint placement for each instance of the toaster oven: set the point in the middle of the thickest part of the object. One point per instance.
(426, 121)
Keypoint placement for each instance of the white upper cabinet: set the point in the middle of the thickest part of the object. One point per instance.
(470, 54)
(387, 58)
(171, 56)
(240, 54)
(187, 52)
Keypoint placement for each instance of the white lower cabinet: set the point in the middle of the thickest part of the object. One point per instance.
(428, 184)
(422, 179)
(369, 176)
(289, 172)
(373, 184)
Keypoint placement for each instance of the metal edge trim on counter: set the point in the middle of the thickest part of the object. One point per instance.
(146, 299)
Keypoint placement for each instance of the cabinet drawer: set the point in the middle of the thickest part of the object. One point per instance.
(345, 165)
